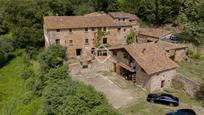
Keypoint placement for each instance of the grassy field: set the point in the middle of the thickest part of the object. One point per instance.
(193, 70)
(13, 92)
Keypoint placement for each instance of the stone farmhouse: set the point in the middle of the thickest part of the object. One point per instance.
(147, 62)
(78, 33)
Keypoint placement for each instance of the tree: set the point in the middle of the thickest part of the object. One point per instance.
(104, 5)
(51, 57)
(195, 32)
(6, 47)
(193, 13)
(64, 96)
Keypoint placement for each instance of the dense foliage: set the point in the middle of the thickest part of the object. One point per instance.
(52, 57)
(66, 97)
(23, 19)
(6, 47)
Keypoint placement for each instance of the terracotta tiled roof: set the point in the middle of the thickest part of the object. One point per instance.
(123, 15)
(154, 32)
(150, 57)
(64, 22)
(170, 46)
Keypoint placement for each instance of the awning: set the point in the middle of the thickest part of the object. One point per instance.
(126, 67)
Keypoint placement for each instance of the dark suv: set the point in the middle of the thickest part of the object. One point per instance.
(163, 98)
(183, 112)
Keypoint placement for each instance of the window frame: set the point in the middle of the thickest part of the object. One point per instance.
(86, 29)
(71, 42)
(86, 41)
(58, 30)
(106, 40)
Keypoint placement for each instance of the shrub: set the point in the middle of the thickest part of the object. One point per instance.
(6, 47)
(130, 38)
(193, 55)
(51, 57)
(26, 73)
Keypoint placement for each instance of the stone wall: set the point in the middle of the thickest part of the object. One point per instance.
(180, 55)
(190, 87)
(78, 37)
(158, 78)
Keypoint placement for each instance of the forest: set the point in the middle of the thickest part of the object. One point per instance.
(21, 27)
(21, 21)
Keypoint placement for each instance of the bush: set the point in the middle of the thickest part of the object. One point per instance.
(51, 57)
(64, 96)
(131, 38)
(27, 98)
(6, 47)
(26, 73)
(193, 55)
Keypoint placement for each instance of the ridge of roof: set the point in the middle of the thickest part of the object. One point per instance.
(63, 22)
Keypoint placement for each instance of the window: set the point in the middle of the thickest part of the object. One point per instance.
(119, 29)
(57, 41)
(125, 55)
(70, 30)
(149, 41)
(86, 29)
(115, 53)
(104, 40)
(123, 19)
(70, 42)
(93, 29)
(99, 29)
(86, 41)
(104, 29)
(130, 20)
(124, 29)
(118, 19)
(57, 30)
(78, 52)
(102, 53)
(162, 83)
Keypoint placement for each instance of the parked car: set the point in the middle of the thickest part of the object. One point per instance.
(163, 98)
(174, 38)
(183, 112)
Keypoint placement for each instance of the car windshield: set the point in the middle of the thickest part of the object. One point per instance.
(165, 97)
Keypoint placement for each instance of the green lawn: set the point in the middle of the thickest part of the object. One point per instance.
(193, 70)
(13, 91)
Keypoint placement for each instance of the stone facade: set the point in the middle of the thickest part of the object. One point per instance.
(158, 81)
(161, 80)
(81, 41)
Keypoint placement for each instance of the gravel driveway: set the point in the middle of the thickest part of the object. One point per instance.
(116, 95)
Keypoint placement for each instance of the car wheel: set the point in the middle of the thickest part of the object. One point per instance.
(171, 104)
(152, 101)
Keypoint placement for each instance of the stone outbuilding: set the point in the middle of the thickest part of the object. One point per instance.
(152, 35)
(176, 52)
(139, 63)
